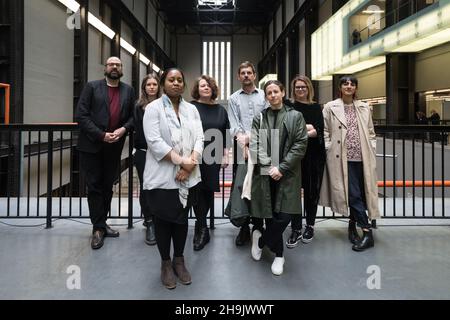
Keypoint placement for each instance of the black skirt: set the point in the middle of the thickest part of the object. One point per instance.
(166, 204)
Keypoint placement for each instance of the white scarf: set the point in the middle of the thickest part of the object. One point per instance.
(178, 129)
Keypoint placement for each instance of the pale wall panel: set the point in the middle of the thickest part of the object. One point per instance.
(189, 60)
(432, 69)
(372, 82)
(244, 47)
(48, 63)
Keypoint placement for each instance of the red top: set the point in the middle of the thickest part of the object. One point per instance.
(114, 108)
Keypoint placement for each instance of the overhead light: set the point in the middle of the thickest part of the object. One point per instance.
(100, 26)
(127, 46)
(443, 90)
(71, 4)
(213, 2)
(144, 59)
(429, 92)
(372, 11)
(156, 68)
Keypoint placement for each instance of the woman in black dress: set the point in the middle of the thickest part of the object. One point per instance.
(215, 124)
(150, 91)
(314, 161)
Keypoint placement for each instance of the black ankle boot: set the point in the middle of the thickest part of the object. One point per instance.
(150, 237)
(196, 233)
(353, 233)
(202, 239)
(365, 243)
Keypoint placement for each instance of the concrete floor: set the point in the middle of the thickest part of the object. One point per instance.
(413, 262)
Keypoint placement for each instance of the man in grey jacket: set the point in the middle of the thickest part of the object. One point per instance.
(243, 106)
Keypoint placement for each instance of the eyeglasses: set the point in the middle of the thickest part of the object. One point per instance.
(301, 88)
(114, 65)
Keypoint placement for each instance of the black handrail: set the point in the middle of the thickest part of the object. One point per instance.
(405, 151)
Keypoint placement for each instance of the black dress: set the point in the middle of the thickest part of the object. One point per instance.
(213, 116)
(314, 160)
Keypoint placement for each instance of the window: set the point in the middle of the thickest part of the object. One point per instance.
(217, 64)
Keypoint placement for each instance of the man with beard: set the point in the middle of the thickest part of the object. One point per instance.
(104, 114)
(243, 106)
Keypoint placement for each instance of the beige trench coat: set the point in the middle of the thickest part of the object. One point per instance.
(334, 190)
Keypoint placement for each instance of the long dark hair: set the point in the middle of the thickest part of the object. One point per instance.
(343, 80)
(144, 99)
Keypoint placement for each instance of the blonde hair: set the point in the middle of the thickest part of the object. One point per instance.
(309, 85)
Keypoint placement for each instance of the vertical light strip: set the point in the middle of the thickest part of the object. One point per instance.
(222, 70)
(229, 70)
(216, 61)
(210, 57)
(205, 57)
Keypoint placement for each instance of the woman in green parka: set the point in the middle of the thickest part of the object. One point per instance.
(278, 143)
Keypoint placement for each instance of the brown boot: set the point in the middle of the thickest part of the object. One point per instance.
(180, 270)
(167, 276)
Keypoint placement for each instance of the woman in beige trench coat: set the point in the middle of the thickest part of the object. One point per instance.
(350, 178)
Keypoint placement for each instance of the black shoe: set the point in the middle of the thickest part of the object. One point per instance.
(365, 243)
(294, 239)
(308, 234)
(98, 238)
(244, 236)
(111, 233)
(150, 237)
(202, 238)
(353, 235)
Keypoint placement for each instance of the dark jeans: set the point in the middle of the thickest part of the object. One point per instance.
(356, 195)
(139, 163)
(204, 204)
(273, 235)
(100, 169)
(310, 211)
(165, 232)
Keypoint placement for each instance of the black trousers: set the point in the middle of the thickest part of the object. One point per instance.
(273, 235)
(356, 194)
(101, 169)
(139, 163)
(204, 205)
(165, 232)
(312, 173)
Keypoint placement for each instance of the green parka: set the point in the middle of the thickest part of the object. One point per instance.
(293, 140)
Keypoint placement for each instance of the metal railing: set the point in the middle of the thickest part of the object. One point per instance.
(40, 177)
(7, 89)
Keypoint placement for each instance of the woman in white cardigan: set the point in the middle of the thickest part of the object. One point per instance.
(174, 135)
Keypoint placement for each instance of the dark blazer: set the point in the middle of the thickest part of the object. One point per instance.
(92, 114)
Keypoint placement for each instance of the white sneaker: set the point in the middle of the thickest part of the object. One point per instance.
(256, 251)
(277, 266)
